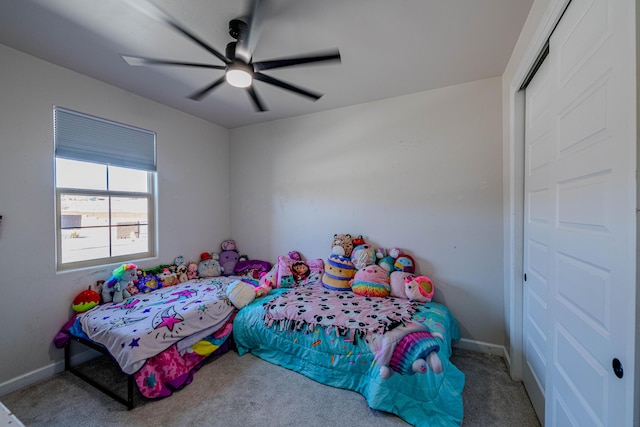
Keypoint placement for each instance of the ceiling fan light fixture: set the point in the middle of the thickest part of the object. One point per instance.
(239, 75)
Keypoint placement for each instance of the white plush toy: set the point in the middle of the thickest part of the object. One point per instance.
(240, 294)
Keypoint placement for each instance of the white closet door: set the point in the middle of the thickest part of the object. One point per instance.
(538, 227)
(580, 229)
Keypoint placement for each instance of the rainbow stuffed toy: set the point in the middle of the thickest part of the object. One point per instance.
(371, 281)
(407, 350)
(114, 289)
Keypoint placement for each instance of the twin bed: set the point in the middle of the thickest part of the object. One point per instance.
(336, 338)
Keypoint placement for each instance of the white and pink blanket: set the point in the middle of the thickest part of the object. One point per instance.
(144, 325)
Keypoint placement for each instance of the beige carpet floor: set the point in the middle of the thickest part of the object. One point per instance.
(246, 391)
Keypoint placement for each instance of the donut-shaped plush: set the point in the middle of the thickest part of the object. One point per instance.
(371, 281)
(338, 272)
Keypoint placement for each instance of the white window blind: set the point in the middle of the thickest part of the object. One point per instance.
(86, 138)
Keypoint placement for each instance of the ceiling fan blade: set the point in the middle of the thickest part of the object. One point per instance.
(247, 42)
(287, 86)
(160, 15)
(333, 56)
(197, 96)
(137, 61)
(257, 101)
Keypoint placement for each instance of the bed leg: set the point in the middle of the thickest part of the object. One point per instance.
(128, 401)
(130, 384)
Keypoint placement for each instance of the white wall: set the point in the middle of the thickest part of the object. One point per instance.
(193, 192)
(421, 172)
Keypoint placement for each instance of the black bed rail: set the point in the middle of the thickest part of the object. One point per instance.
(127, 401)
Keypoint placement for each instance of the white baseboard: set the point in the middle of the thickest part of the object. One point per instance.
(44, 373)
(480, 347)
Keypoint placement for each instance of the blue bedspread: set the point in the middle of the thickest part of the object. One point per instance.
(335, 359)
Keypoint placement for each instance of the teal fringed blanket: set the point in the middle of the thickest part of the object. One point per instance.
(333, 358)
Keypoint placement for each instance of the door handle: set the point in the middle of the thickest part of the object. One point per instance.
(617, 368)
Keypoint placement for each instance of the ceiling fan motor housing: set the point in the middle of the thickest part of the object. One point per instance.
(237, 27)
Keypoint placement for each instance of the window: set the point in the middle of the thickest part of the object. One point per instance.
(105, 191)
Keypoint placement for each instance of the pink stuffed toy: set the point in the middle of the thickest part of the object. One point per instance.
(419, 288)
(371, 281)
(192, 270)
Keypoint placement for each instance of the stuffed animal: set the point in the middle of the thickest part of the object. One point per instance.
(240, 294)
(405, 263)
(342, 244)
(338, 272)
(132, 288)
(228, 261)
(114, 289)
(407, 349)
(192, 270)
(362, 256)
(371, 281)
(181, 272)
(419, 288)
(209, 265)
(120, 292)
(385, 259)
(263, 289)
(357, 241)
(228, 245)
(228, 257)
(85, 300)
(148, 283)
(167, 278)
(269, 279)
(98, 286)
(398, 285)
(178, 261)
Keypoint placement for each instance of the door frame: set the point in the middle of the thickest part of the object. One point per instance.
(514, 188)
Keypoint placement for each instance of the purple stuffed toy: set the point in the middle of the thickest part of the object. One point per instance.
(228, 257)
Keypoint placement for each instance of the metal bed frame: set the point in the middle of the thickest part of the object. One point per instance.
(127, 401)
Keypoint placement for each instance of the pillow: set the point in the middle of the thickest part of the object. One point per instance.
(270, 279)
(251, 268)
(292, 273)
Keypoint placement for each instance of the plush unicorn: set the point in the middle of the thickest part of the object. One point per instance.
(115, 289)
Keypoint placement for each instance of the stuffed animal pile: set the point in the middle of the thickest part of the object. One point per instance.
(354, 265)
(128, 279)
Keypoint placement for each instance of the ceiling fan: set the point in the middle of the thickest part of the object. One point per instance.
(239, 68)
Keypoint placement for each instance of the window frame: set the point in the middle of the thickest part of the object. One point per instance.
(93, 140)
(150, 195)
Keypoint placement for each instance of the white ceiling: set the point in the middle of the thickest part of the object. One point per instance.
(388, 48)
